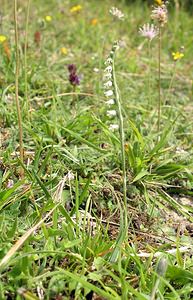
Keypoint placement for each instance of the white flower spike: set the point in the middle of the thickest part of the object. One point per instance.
(113, 127)
(108, 93)
(110, 102)
(108, 84)
(111, 113)
(107, 76)
(109, 61)
(108, 69)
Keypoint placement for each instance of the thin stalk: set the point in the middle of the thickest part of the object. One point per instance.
(21, 150)
(171, 83)
(159, 80)
(74, 101)
(122, 140)
(155, 289)
(149, 73)
(25, 57)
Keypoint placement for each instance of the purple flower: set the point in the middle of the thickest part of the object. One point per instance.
(72, 68)
(73, 78)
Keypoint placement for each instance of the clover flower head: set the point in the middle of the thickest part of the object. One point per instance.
(160, 14)
(108, 93)
(148, 31)
(48, 18)
(76, 8)
(177, 55)
(113, 127)
(2, 38)
(111, 113)
(114, 11)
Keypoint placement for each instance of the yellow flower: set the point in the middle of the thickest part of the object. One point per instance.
(64, 51)
(159, 2)
(177, 55)
(48, 18)
(94, 21)
(2, 38)
(75, 8)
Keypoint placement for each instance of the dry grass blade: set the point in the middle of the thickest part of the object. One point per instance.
(23, 238)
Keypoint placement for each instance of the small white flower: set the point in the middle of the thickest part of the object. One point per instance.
(109, 61)
(110, 102)
(107, 76)
(116, 13)
(111, 113)
(116, 46)
(149, 31)
(113, 127)
(70, 176)
(10, 183)
(96, 70)
(181, 151)
(108, 69)
(108, 93)
(108, 84)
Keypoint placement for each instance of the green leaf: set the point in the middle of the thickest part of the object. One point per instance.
(137, 133)
(140, 175)
(6, 194)
(92, 287)
(82, 140)
(180, 275)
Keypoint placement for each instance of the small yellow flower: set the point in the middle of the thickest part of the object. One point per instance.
(177, 55)
(76, 8)
(48, 18)
(94, 21)
(2, 38)
(159, 2)
(64, 51)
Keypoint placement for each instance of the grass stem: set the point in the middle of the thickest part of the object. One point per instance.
(171, 83)
(122, 140)
(159, 80)
(149, 74)
(25, 58)
(21, 150)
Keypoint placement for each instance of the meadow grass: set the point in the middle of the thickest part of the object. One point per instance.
(62, 218)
